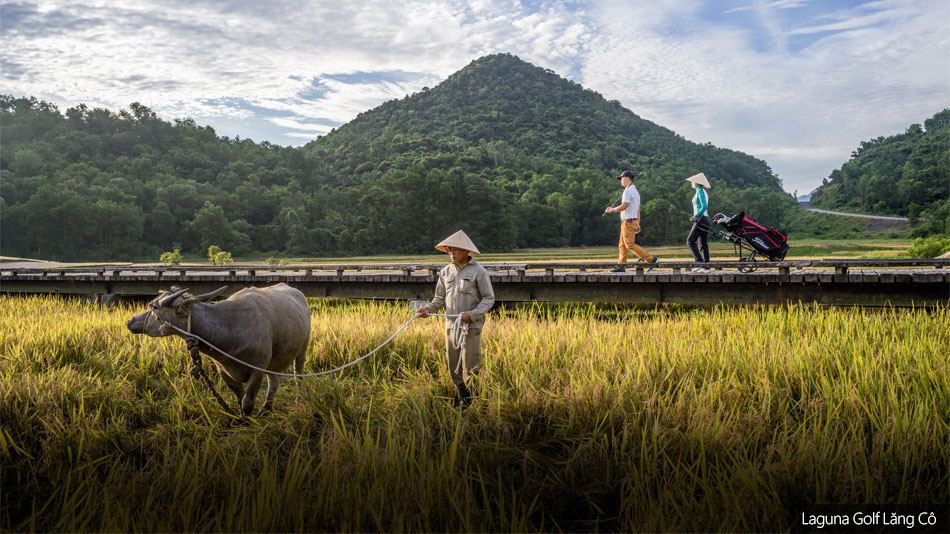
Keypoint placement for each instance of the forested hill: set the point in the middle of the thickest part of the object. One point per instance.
(906, 175)
(500, 110)
(520, 156)
(512, 153)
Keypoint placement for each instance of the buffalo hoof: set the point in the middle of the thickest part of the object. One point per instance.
(239, 421)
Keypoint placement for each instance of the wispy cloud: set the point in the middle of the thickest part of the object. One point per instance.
(779, 36)
(314, 60)
(778, 4)
(878, 67)
(850, 22)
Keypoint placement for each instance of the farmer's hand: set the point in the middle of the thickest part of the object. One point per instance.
(466, 318)
(692, 219)
(423, 312)
(608, 209)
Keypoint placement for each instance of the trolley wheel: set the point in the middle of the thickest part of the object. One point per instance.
(747, 268)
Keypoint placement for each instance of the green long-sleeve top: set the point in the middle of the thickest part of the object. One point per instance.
(700, 203)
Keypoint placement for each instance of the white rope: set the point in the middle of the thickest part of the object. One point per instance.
(456, 339)
(459, 334)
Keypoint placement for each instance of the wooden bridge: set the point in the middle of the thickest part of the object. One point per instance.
(835, 282)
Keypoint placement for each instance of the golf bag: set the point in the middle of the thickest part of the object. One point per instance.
(769, 242)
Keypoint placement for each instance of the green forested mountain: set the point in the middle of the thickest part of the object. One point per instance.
(513, 153)
(906, 175)
(525, 158)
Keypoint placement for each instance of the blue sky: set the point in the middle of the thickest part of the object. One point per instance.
(798, 83)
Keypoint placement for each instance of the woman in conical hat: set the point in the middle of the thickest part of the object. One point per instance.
(699, 180)
(464, 288)
(700, 218)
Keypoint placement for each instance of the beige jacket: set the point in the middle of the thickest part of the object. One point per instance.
(463, 290)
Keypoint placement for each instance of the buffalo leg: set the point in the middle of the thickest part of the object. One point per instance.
(235, 386)
(273, 382)
(253, 386)
(300, 360)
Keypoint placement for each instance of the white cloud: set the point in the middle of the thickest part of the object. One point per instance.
(878, 71)
(780, 4)
(183, 55)
(304, 127)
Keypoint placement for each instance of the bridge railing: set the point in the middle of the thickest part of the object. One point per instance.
(841, 266)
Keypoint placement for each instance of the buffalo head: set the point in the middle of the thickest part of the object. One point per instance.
(172, 306)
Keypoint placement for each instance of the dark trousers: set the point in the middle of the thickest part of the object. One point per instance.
(699, 233)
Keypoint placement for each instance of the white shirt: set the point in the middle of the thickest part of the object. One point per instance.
(632, 197)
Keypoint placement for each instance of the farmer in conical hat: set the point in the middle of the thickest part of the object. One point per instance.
(464, 288)
(700, 218)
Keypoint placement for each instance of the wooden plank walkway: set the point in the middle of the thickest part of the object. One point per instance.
(855, 282)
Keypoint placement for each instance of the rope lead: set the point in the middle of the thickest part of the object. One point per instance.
(459, 333)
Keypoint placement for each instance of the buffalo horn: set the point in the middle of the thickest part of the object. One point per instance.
(169, 298)
(209, 296)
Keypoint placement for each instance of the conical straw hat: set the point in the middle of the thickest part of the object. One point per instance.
(458, 240)
(700, 179)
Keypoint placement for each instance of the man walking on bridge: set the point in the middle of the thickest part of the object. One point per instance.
(464, 289)
(629, 210)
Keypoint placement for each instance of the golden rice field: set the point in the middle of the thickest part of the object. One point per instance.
(590, 418)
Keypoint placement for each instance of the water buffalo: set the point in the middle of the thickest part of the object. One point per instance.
(268, 328)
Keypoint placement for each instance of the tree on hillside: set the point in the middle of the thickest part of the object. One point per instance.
(212, 227)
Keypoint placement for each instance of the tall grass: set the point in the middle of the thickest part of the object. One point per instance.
(589, 418)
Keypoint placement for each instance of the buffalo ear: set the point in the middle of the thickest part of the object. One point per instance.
(168, 298)
(184, 308)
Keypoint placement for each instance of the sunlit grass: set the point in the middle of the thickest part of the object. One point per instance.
(590, 417)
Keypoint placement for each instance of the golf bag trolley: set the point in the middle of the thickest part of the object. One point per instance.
(750, 239)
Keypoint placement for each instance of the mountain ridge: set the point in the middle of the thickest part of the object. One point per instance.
(536, 113)
(544, 148)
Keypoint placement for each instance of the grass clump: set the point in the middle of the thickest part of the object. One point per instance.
(930, 247)
(589, 418)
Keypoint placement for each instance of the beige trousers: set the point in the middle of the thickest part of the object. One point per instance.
(628, 241)
(471, 354)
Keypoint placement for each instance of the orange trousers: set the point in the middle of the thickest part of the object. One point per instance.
(628, 241)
